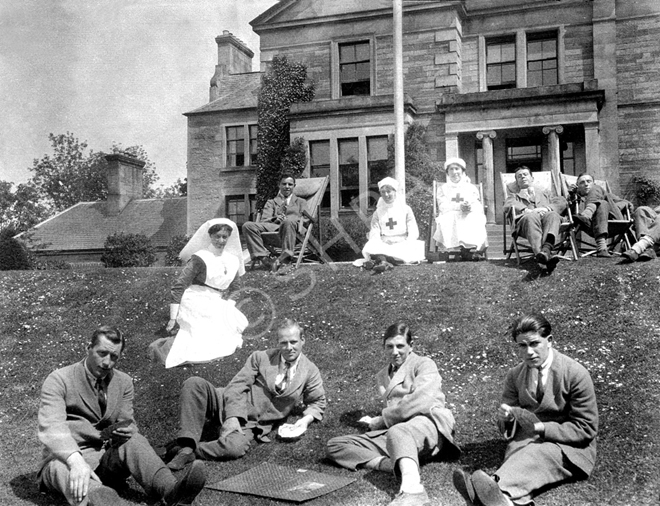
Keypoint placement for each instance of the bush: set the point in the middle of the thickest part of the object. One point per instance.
(13, 255)
(128, 250)
(342, 248)
(647, 191)
(40, 264)
(175, 246)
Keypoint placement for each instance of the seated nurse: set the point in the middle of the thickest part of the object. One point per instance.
(393, 235)
(461, 222)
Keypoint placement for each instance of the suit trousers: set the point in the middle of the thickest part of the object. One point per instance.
(201, 407)
(255, 243)
(647, 223)
(415, 438)
(599, 219)
(134, 458)
(538, 229)
(528, 467)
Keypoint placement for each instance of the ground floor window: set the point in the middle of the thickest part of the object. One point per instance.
(349, 171)
(241, 208)
(524, 151)
(377, 166)
(319, 165)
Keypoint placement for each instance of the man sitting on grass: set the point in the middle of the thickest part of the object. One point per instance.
(548, 416)
(415, 424)
(91, 442)
(259, 397)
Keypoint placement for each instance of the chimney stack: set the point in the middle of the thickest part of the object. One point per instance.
(124, 181)
(234, 57)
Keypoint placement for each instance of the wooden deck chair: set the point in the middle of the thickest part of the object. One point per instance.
(519, 245)
(433, 248)
(619, 232)
(308, 249)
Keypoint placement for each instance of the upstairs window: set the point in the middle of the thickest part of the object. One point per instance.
(235, 146)
(542, 68)
(501, 63)
(355, 68)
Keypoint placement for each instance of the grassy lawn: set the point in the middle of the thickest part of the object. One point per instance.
(604, 315)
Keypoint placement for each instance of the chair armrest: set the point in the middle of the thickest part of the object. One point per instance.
(308, 216)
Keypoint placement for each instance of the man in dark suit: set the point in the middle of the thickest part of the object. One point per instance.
(414, 425)
(595, 208)
(281, 214)
(548, 416)
(538, 216)
(260, 397)
(85, 453)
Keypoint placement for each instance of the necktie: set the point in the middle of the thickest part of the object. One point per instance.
(539, 385)
(281, 382)
(101, 395)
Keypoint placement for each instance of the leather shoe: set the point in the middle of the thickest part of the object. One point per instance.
(368, 265)
(487, 491)
(647, 254)
(383, 266)
(181, 460)
(629, 256)
(544, 256)
(407, 499)
(188, 486)
(463, 483)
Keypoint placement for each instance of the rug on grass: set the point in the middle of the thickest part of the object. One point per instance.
(283, 483)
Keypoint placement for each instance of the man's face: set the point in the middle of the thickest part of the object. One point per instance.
(290, 343)
(103, 357)
(220, 238)
(387, 193)
(584, 185)
(286, 186)
(524, 178)
(397, 350)
(533, 349)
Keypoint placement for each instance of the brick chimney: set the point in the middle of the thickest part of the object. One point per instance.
(234, 57)
(124, 181)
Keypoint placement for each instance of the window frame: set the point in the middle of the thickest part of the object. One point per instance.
(502, 40)
(249, 201)
(233, 157)
(336, 89)
(535, 37)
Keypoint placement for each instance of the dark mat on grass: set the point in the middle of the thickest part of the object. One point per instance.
(283, 483)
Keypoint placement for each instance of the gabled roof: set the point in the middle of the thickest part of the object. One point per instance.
(237, 91)
(86, 225)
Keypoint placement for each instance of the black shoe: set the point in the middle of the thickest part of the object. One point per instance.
(368, 265)
(181, 460)
(188, 486)
(463, 483)
(544, 256)
(629, 256)
(603, 253)
(466, 255)
(647, 254)
(382, 267)
(551, 265)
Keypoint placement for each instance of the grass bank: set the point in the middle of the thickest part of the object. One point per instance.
(603, 314)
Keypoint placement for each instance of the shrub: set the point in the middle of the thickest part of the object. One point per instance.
(42, 264)
(175, 246)
(128, 250)
(13, 255)
(647, 191)
(342, 248)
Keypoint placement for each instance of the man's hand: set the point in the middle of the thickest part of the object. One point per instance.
(230, 425)
(122, 434)
(304, 422)
(526, 420)
(373, 423)
(79, 476)
(504, 413)
(170, 325)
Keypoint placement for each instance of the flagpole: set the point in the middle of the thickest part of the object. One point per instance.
(399, 145)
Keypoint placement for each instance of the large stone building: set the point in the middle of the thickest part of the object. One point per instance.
(572, 84)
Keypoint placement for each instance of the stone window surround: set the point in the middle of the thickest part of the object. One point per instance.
(246, 146)
(521, 55)
(334, 64)
(249, 200)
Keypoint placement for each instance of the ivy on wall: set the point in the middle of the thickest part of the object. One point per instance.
(282, 85)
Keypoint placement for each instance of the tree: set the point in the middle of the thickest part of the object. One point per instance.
(13, 255)
(23, 208)
(282, 85)
(72, 174)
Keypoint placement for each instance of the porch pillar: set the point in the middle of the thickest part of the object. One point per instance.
(554, 155)
(486, 139)
(451, 146)
(592, 150)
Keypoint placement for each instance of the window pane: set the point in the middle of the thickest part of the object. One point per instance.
(508, 73)
(535, 66)
(362, 51)
(348, 151)
(534, 79)
(508, 52)
(346, 53)
(349, 170)
(549, 48)
(348, 74)
(534, 51)
(494, 75)
(494, 54)
(549, 77)
(362, 72)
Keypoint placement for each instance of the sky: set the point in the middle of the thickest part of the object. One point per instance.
(110, 71)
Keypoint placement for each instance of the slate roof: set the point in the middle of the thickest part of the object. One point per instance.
(237, 91)
(86, 225)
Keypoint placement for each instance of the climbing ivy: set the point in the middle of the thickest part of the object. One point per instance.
(282, 85)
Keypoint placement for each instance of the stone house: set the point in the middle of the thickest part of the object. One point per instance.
(77, 235)
(568, 84)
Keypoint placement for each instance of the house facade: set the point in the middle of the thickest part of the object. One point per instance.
(553, 84)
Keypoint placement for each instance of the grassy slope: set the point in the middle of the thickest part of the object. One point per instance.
(603, 314)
